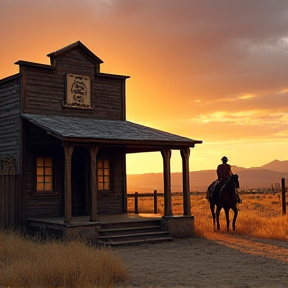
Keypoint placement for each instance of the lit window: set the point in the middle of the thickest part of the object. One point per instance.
(44, 173)
(103, 170)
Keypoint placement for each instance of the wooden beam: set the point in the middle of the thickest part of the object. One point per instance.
(185, 153)
(68, 149)
(166, 154)
(93, 214)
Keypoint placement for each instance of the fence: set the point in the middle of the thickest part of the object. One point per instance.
(154, 195)
(283, 193)
(9, 185)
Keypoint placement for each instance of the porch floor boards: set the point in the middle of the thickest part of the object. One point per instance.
(104, 218)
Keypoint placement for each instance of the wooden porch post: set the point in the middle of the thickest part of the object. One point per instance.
(68, 149)
(185, 153)
(166, 154)
(94, 188)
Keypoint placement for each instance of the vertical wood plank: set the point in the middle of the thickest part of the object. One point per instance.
(2, 204)
(12, 199)
(93, 214)
(155, 202)
(185, 153)
(136, 203)
(166, 154)
(283, 196)
(68, 149)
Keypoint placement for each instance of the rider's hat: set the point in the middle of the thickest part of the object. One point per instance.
(224, 158)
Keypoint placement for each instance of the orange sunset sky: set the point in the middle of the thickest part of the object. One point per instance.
(212, 70)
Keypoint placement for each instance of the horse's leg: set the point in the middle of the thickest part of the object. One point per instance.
(212, 208)
(235, 210)
(217, 216)
(227, 218)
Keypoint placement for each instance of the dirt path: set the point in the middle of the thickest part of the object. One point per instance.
(220, 260)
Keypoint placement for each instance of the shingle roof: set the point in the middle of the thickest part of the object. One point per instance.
(95, 129)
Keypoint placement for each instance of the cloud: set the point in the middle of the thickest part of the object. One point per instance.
(210, 70)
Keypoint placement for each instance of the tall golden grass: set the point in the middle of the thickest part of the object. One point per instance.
(260, 215)
(27, 263)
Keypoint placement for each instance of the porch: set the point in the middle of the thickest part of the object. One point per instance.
(114, 229)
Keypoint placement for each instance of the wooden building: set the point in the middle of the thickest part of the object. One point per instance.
(64, 138)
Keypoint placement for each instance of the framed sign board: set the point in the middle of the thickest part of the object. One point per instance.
(78, 91)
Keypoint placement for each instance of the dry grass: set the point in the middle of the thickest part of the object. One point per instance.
(260, 215)
(26, 263)
(30, 264)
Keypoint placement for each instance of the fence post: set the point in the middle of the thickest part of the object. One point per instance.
(136, 202)
(155, 202)
(283, 196)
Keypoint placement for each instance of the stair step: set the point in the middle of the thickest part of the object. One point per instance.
(116, 225)
(134, 235)
(136, 232)
(129, 230)
(135, 242)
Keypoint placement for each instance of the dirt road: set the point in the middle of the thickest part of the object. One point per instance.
(221, 260)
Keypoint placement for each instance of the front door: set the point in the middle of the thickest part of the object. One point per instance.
(80, 182)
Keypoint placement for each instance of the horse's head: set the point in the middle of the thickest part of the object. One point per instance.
(235, 180)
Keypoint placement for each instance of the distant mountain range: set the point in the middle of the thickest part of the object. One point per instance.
(249, 178)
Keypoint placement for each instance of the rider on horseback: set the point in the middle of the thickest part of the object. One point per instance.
(224, 173)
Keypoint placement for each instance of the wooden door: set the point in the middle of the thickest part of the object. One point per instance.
(80, 180)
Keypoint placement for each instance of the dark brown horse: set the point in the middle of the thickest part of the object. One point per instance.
(226, 198)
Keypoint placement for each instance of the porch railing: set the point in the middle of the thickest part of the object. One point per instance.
(154, 195)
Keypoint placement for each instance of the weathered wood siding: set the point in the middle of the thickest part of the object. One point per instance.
(10, 209)
(42, 144)
(45, 89)
(10, 119)
(37, 205)
(112, 201)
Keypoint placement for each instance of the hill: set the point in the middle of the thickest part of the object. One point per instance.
(249, 178)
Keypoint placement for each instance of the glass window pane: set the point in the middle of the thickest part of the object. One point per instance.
(40, 186)
(106, 163)
(106, 172)
(48, 179)
(48, 186)
(48, 171)
(40, 179)
(40, 161)
(48, 162)
(40, 171)
(100, 186)
(106, 186)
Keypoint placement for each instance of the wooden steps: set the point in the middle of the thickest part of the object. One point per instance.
(132, 233)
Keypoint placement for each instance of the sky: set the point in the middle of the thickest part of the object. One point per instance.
(210, 70)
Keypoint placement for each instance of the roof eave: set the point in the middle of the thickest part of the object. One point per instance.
(134, 143)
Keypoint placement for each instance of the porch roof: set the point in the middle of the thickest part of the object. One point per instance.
(106, 131)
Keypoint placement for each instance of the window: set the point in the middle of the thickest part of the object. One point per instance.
(44, 173)
(103, 172)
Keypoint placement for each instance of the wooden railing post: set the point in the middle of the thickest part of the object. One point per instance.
(283, 196)
(136, 202)
(155, 202)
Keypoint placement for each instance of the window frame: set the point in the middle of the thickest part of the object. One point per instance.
(103, 174)
(47, 192)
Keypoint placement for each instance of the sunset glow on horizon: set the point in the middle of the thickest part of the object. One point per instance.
(212, 70)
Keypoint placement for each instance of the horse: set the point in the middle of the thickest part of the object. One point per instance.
(226, 199)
